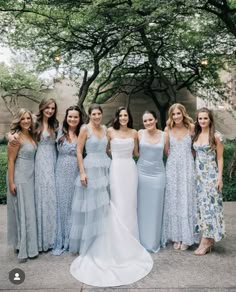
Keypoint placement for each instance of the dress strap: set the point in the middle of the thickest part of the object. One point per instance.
(162, 137)
(142, 134)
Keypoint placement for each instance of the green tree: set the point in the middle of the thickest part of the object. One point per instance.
(16, 83)
(125, 46)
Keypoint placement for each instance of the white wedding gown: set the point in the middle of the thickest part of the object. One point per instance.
(116, 257)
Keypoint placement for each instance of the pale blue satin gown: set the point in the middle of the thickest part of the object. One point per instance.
(151, 188)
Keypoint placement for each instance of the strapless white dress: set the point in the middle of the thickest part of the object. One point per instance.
(116, 257)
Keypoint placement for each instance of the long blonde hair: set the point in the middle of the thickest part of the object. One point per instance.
(15, 125)
(187, 121)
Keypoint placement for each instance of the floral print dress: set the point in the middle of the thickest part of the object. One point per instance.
(210, 219)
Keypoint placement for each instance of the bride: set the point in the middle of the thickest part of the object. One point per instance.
(114, 257)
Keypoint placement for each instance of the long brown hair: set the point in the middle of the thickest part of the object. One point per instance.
(52, 121)
(187, 121)
(198, 129)
(65, 126)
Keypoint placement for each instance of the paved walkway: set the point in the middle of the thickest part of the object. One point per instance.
(173, 270)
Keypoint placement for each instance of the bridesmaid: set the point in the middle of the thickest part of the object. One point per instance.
(151, 182)
(123, 144)
(45, 163)
(66, 173)
(208, 145)
(91, 198)
(179, 204)
(22, 231)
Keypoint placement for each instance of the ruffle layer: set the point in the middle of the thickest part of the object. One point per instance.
(95, 160)
(93, 183)
(86, 201)
(86, 227)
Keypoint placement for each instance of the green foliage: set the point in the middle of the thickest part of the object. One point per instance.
(3, 169)
(14, 79)
(229, 188)
(116, 44)
(17, 82)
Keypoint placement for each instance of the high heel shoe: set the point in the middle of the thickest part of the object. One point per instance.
(202, 250)
(177, 245)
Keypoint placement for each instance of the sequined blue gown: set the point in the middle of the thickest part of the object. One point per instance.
(151, 187)
(180, 196)
(110, 255)
(22, 230)
(45, 191)
(66, 173)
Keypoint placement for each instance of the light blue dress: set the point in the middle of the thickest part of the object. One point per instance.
(151, 187)
(22, 230)
(180, 196)
(66, 173)
(210, 218)
(91, 203)
(45, 191)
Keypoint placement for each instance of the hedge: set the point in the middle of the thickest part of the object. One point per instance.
(3, 170)
(229, 189)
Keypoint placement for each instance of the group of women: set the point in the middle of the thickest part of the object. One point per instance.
(90, 197)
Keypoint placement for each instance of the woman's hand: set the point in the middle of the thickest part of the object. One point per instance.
(14, 139)
(12, 188)
(219, 184)
(83, 179)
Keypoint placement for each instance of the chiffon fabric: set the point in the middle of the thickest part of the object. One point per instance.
(45, 191)
(151, 188)
(180, 203)
(22, 229)
(114, 256)
(210, 218)
(66, 174)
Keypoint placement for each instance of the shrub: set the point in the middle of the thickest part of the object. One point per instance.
(229, 188)
(3, 171)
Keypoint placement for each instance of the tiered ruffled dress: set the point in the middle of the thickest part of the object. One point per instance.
(66, 174)
(90, 203)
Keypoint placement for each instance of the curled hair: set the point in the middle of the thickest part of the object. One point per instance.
(187, 121)
(116, 123)
(65, 126)
(198, 129)
(15, 125)
(52, 121)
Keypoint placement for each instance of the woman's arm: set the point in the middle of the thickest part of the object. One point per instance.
(12, 153)
(80, 147)
(220, 161)
(136, 150)
(167, 143)
(109, 130)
